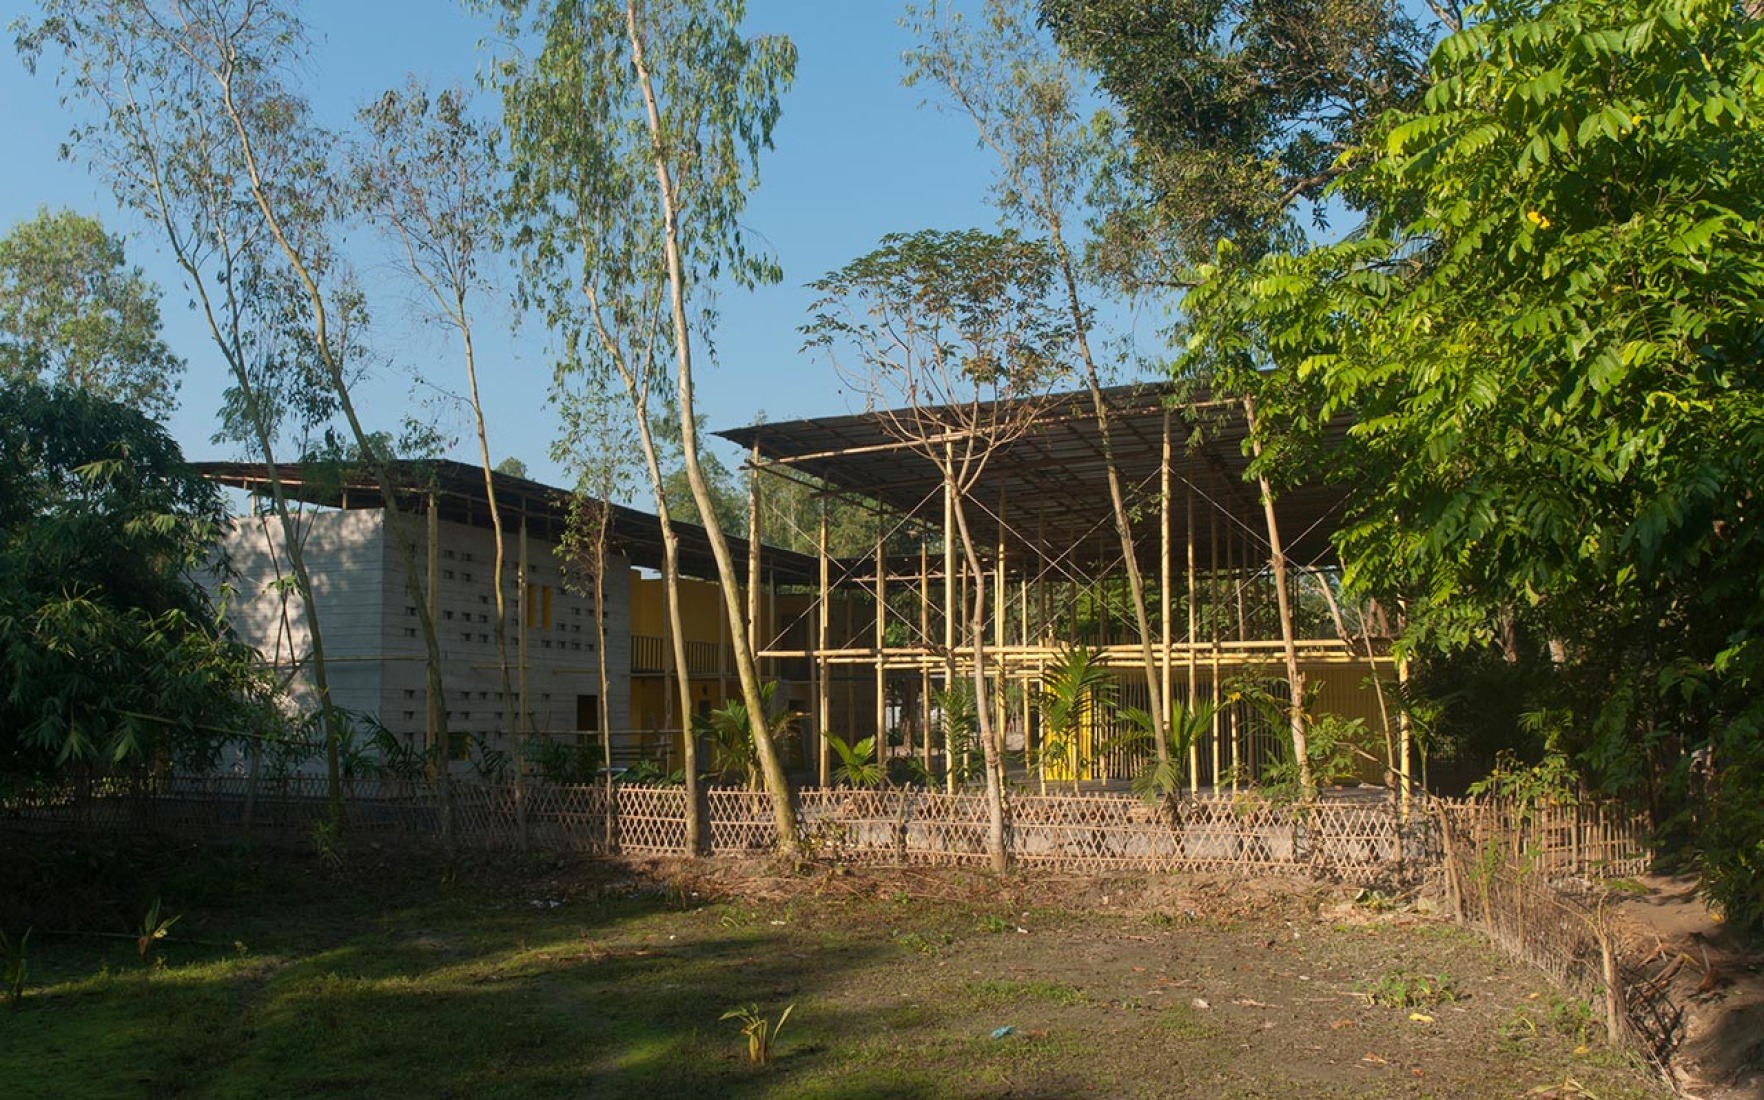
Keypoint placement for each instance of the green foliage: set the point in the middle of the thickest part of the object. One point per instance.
(1408, 989)
(113, 650)
(73, 312)
(1076, 689)
(154, 928)
(858, 766)
(761, 1032)
(1237, 111)
(959, 721)
(1166, 778)
(940, 319)
(730, 729)
(1548, 337)
(565, 763)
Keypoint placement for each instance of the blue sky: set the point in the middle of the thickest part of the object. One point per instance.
(857, 157)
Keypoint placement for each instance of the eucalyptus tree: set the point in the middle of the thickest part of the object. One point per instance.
(595, 446)
(954, 339)
(635, 133)
(1026, 100)
(146, 126)
(217, 77)
(73, 310)
(426, 172)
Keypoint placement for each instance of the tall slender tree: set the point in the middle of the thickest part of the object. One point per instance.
(954, 339)
(427, 173)
(1025, 98)
(635, 133)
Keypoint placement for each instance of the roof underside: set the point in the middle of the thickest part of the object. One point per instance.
(1047, 492)
(460, 497)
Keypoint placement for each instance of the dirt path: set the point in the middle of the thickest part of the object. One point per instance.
(1713, 982)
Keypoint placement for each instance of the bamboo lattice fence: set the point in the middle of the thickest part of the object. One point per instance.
(1066, 833)
(1517, 874)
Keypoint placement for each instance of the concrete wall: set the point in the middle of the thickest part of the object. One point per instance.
(373, 641)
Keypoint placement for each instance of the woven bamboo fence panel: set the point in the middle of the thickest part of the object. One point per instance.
(1519, 875)
(1070, 833)
(741, 821)
(651, 819)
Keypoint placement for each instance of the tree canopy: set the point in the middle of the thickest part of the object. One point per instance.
(1549, 336)
(73, 310)
(1239, 111)
(111, 645)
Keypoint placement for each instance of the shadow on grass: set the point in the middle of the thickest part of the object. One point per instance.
(396, 989)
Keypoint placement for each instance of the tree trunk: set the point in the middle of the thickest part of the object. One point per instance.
(518, 731)
(989, 748)
(771, 766)
(1295, 678)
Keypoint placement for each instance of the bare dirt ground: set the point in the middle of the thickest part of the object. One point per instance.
(1712, 981)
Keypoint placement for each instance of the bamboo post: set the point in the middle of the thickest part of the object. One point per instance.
(443, 775)
(523, 609)
(1167, 627)
(949, 615)
(823, 709)
(1404, 737)
(1023, 674)
(1215, 592)
(881, 648)
(753, 560)
(1277, 560)
(1001, 602)
(925, 669)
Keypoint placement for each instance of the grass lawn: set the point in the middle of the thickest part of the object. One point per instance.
(389, 978)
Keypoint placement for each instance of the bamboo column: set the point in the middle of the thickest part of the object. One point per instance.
(949, 615)
(823, 709)
(881, 648)
(925, 668)
(1277, 560)
(1164, 578)
(753, 562)
(433, 702)
(524, 608)
(1000, 606)
(1404, 735)
(1193, 640)
(1023, 674)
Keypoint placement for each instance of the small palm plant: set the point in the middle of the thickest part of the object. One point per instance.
(730, 729)
(1164, 778)
(960, 721)
(1076, 690)
(153, 929)
(858, 766)
(760, 1031)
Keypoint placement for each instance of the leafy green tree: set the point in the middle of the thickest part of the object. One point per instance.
(955, 339)
(73, 310)
(1549, 335)
(1239, 112)
(114, 654)
(146, 121)
(1025, 99)
(635, 132)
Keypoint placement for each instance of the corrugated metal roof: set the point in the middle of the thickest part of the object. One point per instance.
(460, 497)
(1050, 484)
